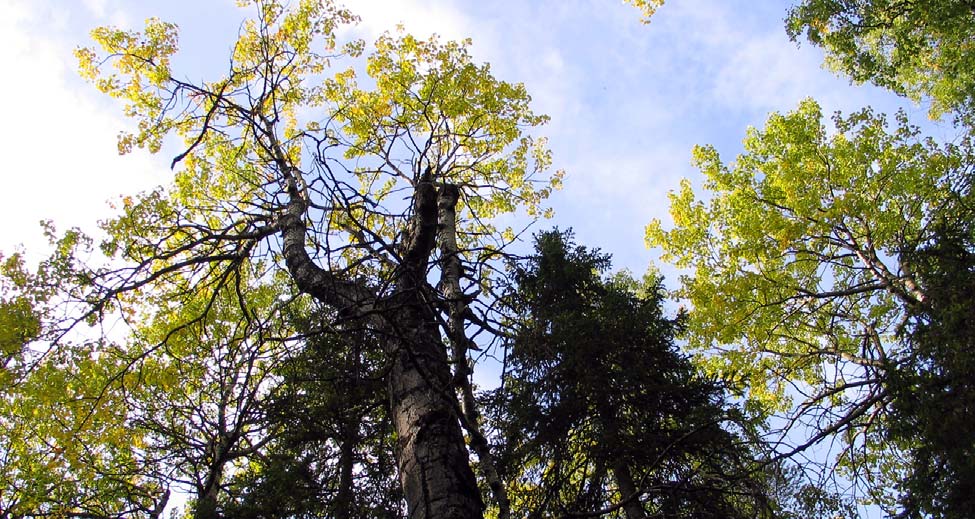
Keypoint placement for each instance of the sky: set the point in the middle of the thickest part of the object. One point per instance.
(628, 100)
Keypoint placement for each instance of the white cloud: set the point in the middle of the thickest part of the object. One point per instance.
(627, 100)
(767, 73)
(420, 18)
(60, 159)
(97, 8)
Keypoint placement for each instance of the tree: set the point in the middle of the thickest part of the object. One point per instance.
(805, 276)
(66, 450)
(193, 380)
(110, 428)
(919, 49)
(599, 413)
(361, 196)
(230, 408)
(333, 450)
(934, 388)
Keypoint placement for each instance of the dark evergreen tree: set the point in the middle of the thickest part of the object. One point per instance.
(332, 455)
(933, 387)
(600, 412)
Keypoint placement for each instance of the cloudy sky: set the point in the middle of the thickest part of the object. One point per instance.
(627, 100)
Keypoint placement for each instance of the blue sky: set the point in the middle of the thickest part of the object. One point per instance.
(628, 101)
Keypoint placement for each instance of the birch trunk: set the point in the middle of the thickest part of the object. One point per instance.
(432, 458)
(451, 271)
(433, 462)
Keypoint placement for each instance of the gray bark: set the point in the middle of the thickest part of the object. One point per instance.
(433, 462)
(451, 269)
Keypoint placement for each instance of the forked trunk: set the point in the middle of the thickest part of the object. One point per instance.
(434, 466)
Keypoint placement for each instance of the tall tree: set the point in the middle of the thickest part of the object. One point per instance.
(114, 427)
(922, 49)
(65, 446)
(599, 412)
(332, 452)
(805, 275)
(348, 190)
(935, 393)
(194, 379)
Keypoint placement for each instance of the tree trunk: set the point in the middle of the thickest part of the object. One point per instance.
(344, 497)
(624, 481)
(434, 465)
(451, 271)
(351, 418)
(433, 462)
(206, 505)
(207, 494)
(629, 493)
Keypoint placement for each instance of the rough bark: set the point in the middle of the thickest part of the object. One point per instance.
(433, 462)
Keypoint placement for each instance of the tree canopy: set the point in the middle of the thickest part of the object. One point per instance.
(599, 411)
(920, 49)
(805, 280)
(292, 175)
